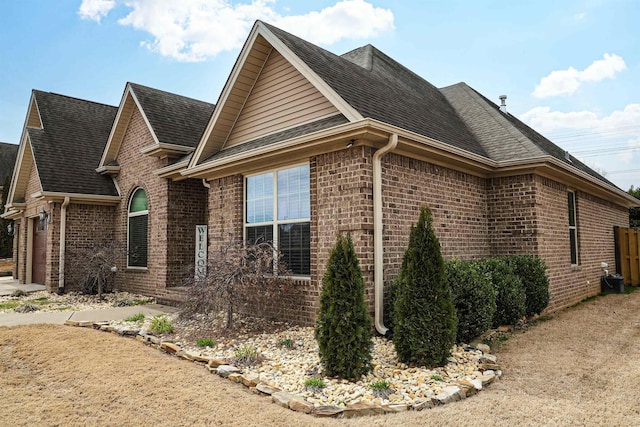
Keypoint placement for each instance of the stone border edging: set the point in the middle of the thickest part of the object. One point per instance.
(451, 393)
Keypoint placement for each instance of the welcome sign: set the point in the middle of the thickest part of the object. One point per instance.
(201, 252)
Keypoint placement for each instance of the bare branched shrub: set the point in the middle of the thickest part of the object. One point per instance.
(245, 278)
(92, 268)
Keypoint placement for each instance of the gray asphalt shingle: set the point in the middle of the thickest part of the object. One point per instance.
(380, 88)
(175, 119)
(69, 147)
(504, 136)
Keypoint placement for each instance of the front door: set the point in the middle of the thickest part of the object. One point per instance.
(39, 251)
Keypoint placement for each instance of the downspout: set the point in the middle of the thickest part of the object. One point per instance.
(63, 230)
(205, 183)
(377, 233)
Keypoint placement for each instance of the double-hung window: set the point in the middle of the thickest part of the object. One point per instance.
(138, 224)
(278, 210)
(573, 228)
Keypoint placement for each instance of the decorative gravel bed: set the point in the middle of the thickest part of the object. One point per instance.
(290, 357)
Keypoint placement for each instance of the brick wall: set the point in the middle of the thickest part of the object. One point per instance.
(225, 211)
(341, 202)
(31, 211)
(87, 228)
(187, 208)
(174, 210)
(457, 201)
(512, 215)
(596, 219)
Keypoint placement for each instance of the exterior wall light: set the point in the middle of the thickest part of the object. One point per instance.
(10, 229)
(44, 215)
(350, 143)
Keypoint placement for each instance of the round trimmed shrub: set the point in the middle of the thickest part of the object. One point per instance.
(473, 296)
(343, 328)
(533, 273)
(510, 295)
(424, 317)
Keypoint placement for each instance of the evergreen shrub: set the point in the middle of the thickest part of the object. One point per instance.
(533, 274)
(473, 296)
(424, 317)
(343, 328)
(510, 295)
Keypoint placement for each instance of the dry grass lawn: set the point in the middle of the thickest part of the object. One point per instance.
(580, 368)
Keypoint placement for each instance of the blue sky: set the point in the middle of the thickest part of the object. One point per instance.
(570, 69)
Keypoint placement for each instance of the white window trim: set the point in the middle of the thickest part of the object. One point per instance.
(135, 214)
(575, 228)
(276, 222)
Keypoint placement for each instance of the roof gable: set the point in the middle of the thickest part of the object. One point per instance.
(33, 115)
(281, 98)
(63, 147)
(176, 122)
(22, 172)
(242, 81)
(380, 88)
(70, 143)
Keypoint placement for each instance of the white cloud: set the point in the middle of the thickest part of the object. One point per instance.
(346, 20)
(579, 16)
(625, 121)
(566, 82)
(194, 30)
(626, 156)
(95, 10)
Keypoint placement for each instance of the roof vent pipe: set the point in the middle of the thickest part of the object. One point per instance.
(503, 104)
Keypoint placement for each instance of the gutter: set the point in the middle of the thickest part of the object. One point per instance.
(377, 234)
(63, 231)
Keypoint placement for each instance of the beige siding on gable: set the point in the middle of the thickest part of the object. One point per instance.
(280, 99)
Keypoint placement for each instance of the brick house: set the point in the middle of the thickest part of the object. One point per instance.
(89, 173)
(304, 144)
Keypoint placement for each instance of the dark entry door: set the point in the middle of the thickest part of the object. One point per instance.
(39, 259)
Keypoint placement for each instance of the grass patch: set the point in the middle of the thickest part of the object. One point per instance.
(381, 389)
(314, 384)
(9, 305)
(287, 342)
(133, 302)
(135, 318)
(248, 356)
(161, 325)
(40, 301)
(436, 377)
(206, 342)
(63, 308)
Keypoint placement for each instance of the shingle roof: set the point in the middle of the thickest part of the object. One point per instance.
(502, 135)
(281, 136)
(380, 88)
(69, 147)
(175, 119)
(8, 154)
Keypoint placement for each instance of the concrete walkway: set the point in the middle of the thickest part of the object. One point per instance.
(8, 285)
(59, 317)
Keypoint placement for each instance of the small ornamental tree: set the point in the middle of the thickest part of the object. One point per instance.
(242, 277)
(424, 317)
(343, 328)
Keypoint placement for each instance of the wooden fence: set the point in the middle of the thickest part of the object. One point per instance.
(628, 254)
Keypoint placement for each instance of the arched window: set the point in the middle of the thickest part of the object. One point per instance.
(138, 216)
